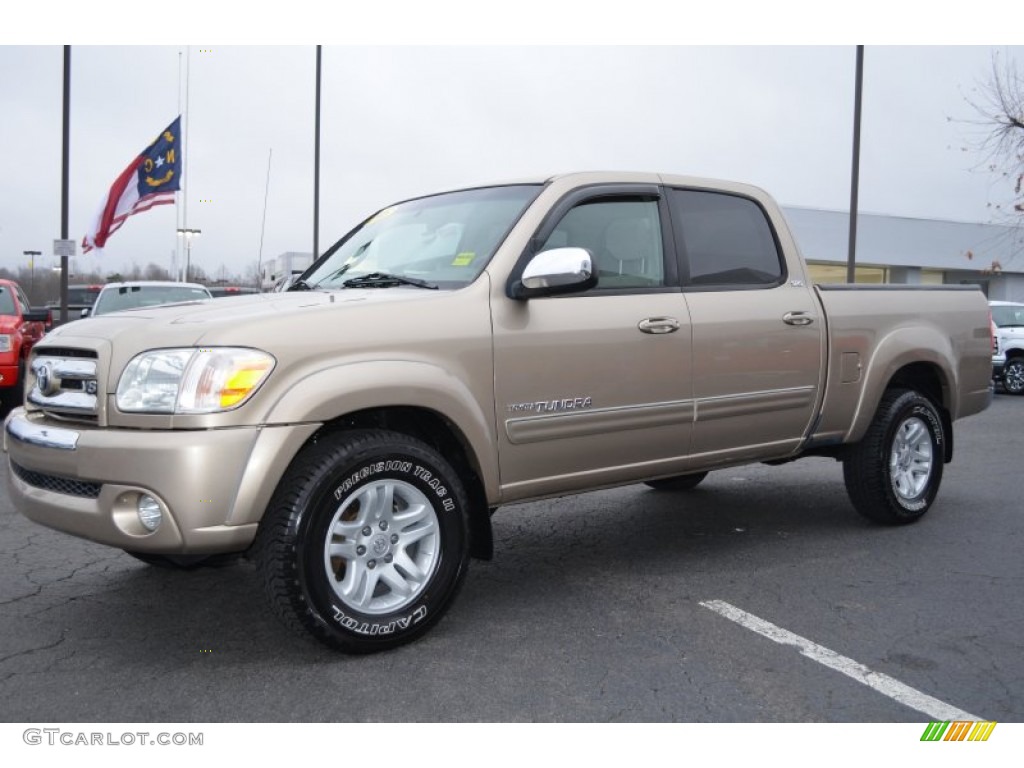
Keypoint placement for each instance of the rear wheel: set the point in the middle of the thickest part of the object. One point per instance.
(365, 543)
(893, 474)
(1013, 376)
(678, 483)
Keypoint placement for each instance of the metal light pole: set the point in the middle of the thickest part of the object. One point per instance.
(65, 183)
(316, 164)
(851, 254)
(188, 234)
(32, 271)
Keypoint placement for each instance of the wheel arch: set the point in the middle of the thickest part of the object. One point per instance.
(914, 359)
(445, 437)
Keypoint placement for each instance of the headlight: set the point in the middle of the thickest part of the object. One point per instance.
(5, 342)
(193, 380)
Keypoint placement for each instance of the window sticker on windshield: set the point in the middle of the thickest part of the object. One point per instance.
(463, 259)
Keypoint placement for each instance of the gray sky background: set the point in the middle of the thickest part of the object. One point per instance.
(398, 121)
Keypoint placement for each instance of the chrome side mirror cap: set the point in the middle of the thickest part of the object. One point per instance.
(555, 272)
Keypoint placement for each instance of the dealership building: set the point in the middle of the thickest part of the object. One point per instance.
(894, 249)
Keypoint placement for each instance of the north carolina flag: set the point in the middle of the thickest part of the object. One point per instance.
(150, 179)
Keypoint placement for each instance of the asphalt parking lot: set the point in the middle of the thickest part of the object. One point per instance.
(601, 607)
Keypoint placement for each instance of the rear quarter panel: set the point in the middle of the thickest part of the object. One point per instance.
(874, 331)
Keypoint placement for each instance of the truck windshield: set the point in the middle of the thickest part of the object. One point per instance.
(445, 240)
(6, 302)
(1008, 316)
(131, 296)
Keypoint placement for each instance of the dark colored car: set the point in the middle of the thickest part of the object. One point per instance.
(79, 297)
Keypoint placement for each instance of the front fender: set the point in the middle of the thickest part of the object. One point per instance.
(333, 392)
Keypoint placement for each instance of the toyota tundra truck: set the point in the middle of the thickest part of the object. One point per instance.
(462, 351)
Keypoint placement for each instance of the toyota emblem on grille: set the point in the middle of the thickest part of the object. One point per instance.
(43, 380)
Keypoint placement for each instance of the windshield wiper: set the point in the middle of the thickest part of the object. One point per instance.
(385, 280)
(300, 285)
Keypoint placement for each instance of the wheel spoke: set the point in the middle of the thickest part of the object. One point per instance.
(914, 433)
(412, 535)
(360, 588)
(404, 564)
(396, 582)
(344, 548)
(413, 514)
(375, 501)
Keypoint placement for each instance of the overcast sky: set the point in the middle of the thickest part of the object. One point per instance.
(399, 121)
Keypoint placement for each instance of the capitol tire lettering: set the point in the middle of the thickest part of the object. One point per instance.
(365, 542)
(377, 628)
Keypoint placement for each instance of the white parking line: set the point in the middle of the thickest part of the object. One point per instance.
(888, 686)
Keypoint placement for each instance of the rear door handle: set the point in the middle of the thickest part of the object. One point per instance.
(797, 318)
(658, 325)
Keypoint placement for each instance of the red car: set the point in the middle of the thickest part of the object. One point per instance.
(20, 328)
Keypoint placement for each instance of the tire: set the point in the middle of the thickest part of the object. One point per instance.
(677, 483)
(1013, 376)
(185, 562)
(365, 542)
(893, 474)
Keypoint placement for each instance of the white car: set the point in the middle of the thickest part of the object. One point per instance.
(1008, 354)
(144, 293)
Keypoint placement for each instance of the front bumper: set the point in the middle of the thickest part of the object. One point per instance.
(212, 485)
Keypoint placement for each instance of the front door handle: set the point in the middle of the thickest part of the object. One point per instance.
(797, 318)
(657, 325)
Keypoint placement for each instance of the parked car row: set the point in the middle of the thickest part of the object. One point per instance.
(82, 298)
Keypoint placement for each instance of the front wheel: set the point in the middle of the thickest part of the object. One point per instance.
(1013, 376)
(893, 474)
(365, 543)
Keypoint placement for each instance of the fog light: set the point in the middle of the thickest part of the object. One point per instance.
(149, 512)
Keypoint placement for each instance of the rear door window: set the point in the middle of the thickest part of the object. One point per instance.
(724, 241)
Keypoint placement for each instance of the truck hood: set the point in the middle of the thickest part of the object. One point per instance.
(268, 321)
(192, 320)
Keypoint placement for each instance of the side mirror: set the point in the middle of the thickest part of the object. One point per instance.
(555, 272)
(86, 312)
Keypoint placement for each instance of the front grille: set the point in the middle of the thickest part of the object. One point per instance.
(64, 383)
(69, 486)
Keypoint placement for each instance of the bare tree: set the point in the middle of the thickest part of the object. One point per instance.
(156, 272)
(998, 134)
(1000, 124)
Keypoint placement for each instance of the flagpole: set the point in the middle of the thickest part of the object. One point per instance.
(65, 166)
(263, 226)
(851, 253)
(316, 165)
(186, 151)
(178, 224)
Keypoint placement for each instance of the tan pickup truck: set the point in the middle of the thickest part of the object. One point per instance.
(461, 351)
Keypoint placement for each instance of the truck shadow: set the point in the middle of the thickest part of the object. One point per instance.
(552, 553)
